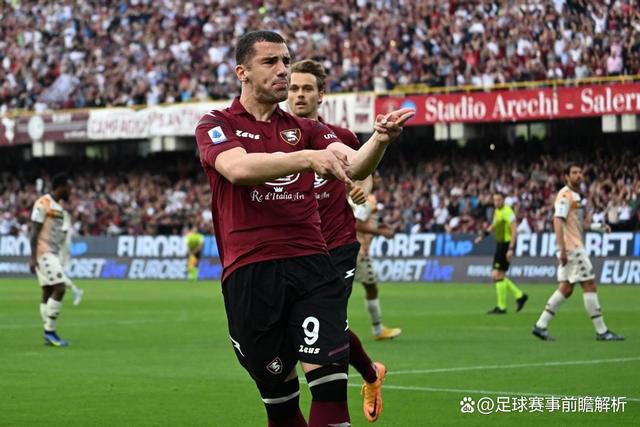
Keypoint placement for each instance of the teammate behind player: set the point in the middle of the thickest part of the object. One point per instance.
(194, 241)
(48, 231)
(575, 265)
(284, 300)
(367, 226)
(505, 227)
(65, 260)
(306, 91)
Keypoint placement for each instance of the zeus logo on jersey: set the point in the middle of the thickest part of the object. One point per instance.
(330, 135)
(245, 134)
(291, 136)
(216, 135)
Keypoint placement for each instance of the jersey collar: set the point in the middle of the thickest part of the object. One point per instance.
(238, 109)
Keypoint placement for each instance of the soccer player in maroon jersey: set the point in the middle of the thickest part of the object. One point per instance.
(338, 224)
(284, 299)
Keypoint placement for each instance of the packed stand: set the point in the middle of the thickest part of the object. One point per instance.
(452, 195)
(456, 196)
(78, 54)
(108, 203)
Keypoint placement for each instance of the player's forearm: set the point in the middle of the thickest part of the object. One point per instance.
(559, 232)
(258, 168)
(366, 185)
(514, 236)
(365, 161)
(362, 227)
(35, 232)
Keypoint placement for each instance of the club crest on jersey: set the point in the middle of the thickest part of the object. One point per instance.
(291, 136)
(216, 135)
(275, 367)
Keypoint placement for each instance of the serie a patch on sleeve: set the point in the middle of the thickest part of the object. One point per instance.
(217, 135)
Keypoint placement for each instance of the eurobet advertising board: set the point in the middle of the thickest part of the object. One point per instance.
(478, 269)
(124, 257)
(423, 257)
(432, 257)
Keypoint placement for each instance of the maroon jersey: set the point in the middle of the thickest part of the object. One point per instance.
(338, 222)
(277, 219)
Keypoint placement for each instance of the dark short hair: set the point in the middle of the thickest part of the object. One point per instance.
(499, 193)
(59, 180)
(310, 66)
(567, 167)
(245, 47)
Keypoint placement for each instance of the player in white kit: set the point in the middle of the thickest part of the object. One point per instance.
(367, 226)
(574, 263)
(65, 259)
(49, 228)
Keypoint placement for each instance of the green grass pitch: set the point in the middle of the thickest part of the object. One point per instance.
(158, 354)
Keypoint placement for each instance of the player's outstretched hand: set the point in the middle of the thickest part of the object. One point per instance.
(357, 195)
(389, 126)
(331, 164)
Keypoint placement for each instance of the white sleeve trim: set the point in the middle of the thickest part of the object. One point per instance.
(561, 209)
(38, 214)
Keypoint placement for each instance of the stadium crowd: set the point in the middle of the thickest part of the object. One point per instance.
(77, 54)
(436, 195)
(136, 201)
(456, 195)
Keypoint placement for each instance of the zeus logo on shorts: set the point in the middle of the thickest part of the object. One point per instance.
(309, 350)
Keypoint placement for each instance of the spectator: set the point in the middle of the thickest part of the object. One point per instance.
(452, 192)
(76, 55)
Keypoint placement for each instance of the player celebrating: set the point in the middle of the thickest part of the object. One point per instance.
(306, 91)
(368, 225)
(284, 300)
(575, 266)
(194, 241)
(506, 230)
(48, 231)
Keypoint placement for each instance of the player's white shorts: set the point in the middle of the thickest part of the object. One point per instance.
(577, 269)
(365, 273)
(50, 271)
